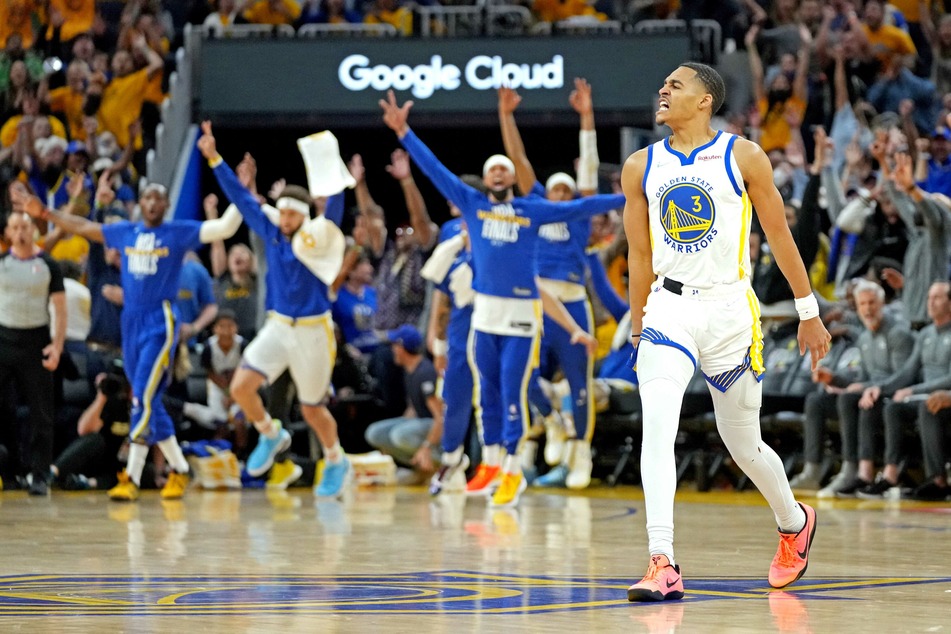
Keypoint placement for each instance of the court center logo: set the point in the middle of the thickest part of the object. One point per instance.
(687, 214)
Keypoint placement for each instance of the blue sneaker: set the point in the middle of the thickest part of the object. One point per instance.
(334, 479)
(263, 455)
(556, 478)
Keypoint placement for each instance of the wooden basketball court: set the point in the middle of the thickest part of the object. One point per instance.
(395, 560)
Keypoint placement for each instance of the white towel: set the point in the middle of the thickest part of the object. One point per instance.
(327, 174)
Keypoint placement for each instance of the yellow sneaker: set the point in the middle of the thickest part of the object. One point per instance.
(283, 474)
(175, 487)
(508, 492)
(125, 491)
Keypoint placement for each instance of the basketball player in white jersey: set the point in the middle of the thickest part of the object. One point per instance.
(689, 206)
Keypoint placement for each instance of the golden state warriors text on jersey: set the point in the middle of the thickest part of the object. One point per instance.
(699, 213)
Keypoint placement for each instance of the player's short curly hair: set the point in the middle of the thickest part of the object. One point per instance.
(712, 81)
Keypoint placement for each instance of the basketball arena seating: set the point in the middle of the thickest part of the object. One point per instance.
(701, 456)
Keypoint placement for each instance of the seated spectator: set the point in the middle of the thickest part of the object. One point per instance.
(925, 371)
(196, 303)
(934, 437)
(355, 306)
(412, 439)
(328, 12)
(122, 98)
(272, 12)
(222, 17)
(392, 13)
(884, 346)
(220, 357)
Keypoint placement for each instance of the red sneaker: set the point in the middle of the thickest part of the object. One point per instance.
(485, 480)
(661, 583)
(792, 557)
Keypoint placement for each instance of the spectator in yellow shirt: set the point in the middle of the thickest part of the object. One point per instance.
(122, 98)
(390, 12)
(884, 39)
(557, 10)
(272, 12)
(16, 16)
(77, 16)
(74, 101)
(783, 101)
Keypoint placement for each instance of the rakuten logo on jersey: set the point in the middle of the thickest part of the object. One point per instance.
(482, 72)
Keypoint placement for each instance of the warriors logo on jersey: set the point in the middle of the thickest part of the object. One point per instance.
(686, 213)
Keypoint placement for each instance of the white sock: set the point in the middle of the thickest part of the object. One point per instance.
(334, 454)
(268, 427)
(492, 455)
(137, 455)
(512, 465)
(173, 453)
(528, 453)
(452, 458)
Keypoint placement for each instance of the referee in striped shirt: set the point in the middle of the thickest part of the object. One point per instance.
(29, 281)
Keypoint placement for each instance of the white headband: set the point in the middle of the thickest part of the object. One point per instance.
(498, 159)
(560, 178)
(286, 202)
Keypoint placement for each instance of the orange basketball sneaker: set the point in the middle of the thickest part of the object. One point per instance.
(485, 480)
(661, 583)
(792, 557)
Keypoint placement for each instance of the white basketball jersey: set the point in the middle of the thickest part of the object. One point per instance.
(699, 213)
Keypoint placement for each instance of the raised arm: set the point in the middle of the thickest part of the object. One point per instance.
(395, 117)
(588, 159)
(512, 140)
(425, 229)
(578, 209)
(637, 229)
(756, 64)
(27, 203)
(246, 202)
(370, 224)
(758, 177)
(800, 87)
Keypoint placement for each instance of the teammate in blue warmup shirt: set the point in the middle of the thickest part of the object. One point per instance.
(506, 319)
(152, 254)
(304, 256)
(562, 269)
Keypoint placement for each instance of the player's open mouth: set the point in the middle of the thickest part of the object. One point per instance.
(663, 105)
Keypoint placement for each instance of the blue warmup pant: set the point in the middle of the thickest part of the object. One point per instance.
(575, 363)
(149, 339)
(457, 394)
(505, 365)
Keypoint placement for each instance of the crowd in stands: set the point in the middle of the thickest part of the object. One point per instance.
(851, 101)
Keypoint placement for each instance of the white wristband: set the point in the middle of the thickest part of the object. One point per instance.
(807, 307)
(440, 347)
